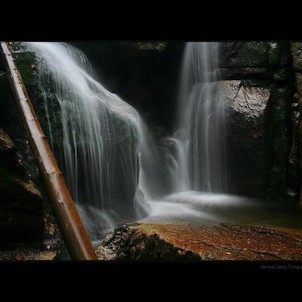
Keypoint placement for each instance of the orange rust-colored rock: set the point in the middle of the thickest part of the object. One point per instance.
(189, 242)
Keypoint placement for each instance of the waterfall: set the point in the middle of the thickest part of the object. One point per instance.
(201, 114)
(110, 162)
(109, 159)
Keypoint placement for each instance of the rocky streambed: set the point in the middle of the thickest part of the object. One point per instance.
(176, 241)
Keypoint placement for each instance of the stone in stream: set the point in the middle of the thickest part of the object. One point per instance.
(189, 242)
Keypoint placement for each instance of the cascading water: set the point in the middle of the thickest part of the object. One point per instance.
(109, 158)
(200, 136)
(110, 162)
(196, 156)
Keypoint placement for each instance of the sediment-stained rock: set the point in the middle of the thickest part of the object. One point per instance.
(190, 242)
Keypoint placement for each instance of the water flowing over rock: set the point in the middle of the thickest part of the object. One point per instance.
(111, 164)
(237, 131)
(234, 123)
(201, 122)
(109, 158)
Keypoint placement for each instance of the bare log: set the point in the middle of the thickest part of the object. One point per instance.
(69, 221)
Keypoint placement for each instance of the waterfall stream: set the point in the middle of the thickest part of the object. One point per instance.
(116, 172)
(201, 121)
(109, 158)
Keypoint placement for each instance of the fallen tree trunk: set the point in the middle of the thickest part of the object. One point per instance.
(69, 221)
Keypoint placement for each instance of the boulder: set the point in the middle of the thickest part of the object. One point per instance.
(189, 242)
(258, 92)
(251, 102)
(248, 139)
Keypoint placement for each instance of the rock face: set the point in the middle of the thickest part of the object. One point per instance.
(248, 142)
(188, 242)
(296, 52)
(257, 84)
(21, 204)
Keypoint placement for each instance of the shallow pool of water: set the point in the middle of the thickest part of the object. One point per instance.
(209, 209)
(212, 209)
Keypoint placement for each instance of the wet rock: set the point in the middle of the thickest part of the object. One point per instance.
(240, 73)
(278, 54)
(21, 201)
(296, 53)
(282, 74)
(244, 54)
(251, 102)
(189, 242)
(280, 121)
(299, 89)
(9, 157)
(248, 162)
(20, 210)
(259, 109)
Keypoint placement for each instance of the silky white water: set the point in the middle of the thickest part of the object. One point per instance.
(200, 122)
(109, 158)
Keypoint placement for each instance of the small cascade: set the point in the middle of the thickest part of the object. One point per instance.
(199, 139)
